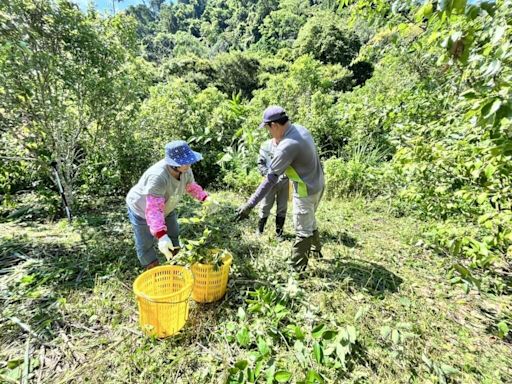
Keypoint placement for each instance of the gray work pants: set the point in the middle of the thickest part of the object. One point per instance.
(279, 193)
(304, 209)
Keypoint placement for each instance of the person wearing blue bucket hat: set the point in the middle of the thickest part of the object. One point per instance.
(152, 202)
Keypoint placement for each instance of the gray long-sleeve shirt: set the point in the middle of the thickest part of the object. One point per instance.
(295, 155)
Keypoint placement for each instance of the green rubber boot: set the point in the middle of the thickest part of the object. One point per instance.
(279, 228)
(316, 245)
(261, 226)
(300, 252)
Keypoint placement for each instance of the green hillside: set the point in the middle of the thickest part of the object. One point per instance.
(409, 104)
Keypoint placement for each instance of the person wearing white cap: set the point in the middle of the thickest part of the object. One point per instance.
(152, 202)
(297, 157)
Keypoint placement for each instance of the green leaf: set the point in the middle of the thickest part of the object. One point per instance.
(255, 307)
(448, 370)
(11, 364)
(330, 349)
(489, 171)
(298, 346)
(251, 378)
(361, 312)
(503, 329)
(489, 7)
(492, 69)
(352, 333)
(28, 279)
(299, 352)
(472, 12)
(342, 351)
(426, 360)
(241, 313)
(243, 337)
(313, 377)
(298, 333)
(270, 373)
(318, 353)
(282, 376)
(263, 347)
(241, 364)
(498, 34)
(329, 335)
(469, 94)
(318, 331)
(405, 302)
(495, 106)
(446, 6)
(424, 12)
(404, 325)
(279, 308)
(482, 198)
(258, 366)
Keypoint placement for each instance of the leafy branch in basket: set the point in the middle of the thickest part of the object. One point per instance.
(209, 248)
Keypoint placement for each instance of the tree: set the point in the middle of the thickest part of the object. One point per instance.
(182, 16)
(159, 47)
(194, 69)
(186, 44)
(324, 38)
(235, 22)
(155, 5)
(280, 29)
(63, 80)
(452, 131)
(308, 93)
(177, 109)
(236, 72)
(145, 19)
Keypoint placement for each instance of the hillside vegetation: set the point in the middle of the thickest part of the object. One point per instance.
(410, 106)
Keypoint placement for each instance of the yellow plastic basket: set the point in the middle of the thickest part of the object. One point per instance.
(210, 284)
(162, 297)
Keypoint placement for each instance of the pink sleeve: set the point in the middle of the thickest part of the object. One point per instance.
(196, 191)
(155, 215)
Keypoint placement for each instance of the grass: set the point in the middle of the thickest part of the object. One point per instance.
(375, 309)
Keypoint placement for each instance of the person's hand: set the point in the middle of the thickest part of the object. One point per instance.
(165, 246)
(242, 212)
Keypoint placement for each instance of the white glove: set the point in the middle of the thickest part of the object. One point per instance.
(165, 246)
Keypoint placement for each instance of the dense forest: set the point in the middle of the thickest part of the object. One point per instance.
(409, 103)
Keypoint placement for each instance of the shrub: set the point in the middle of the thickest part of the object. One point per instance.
(242, 181)
(360, 174)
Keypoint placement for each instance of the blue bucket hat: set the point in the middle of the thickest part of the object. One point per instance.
(178, 153)
(272, 113)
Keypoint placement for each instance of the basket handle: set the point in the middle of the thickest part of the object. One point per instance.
(147, 298)
(143, 296)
